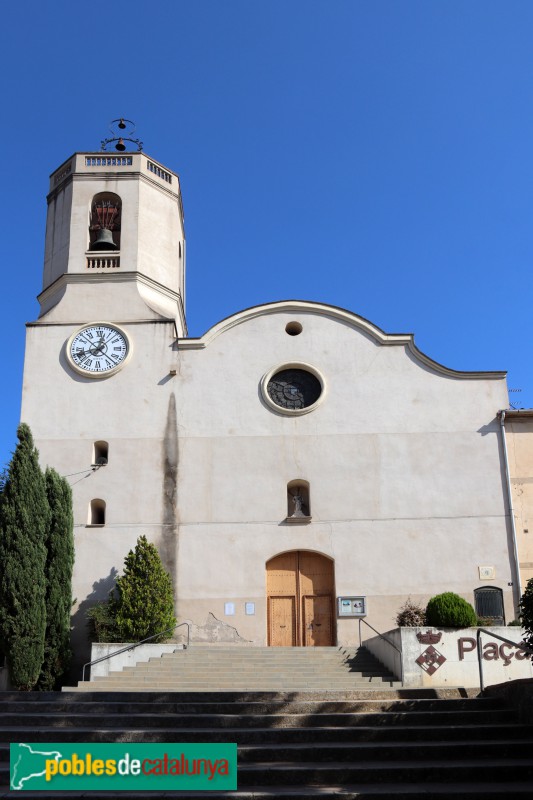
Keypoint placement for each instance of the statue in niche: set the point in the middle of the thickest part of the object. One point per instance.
(298, 500)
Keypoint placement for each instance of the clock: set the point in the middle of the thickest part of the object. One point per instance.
(98, 350)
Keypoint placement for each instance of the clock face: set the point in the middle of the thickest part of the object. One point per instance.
(98, 350)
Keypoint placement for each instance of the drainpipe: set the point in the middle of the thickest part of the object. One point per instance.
(510, 502)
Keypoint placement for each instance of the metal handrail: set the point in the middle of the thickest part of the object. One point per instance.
(133, 646)
(382, 636)
(521, 645)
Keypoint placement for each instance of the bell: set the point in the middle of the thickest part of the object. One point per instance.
(104, 241)
(120, 146)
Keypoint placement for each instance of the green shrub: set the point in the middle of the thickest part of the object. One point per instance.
(411, 615)
(515, 622)
(102, 623)
(448, 610)
(142, 603)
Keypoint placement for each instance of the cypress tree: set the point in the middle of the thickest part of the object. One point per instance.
(144, 604)
(24, 523)
(58, 573)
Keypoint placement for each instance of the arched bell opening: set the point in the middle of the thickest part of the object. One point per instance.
(105, 222)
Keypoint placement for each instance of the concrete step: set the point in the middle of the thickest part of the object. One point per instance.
(149, 686)
(455, 791)
(262, 682)
(68, 696)
(279, 720)
(427, 771)
(357, 752)
(411, 791)
(223, 667)
(350, 744)
(259, 735)
(239, 705)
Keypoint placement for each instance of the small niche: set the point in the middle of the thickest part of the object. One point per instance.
(96, 513)
(298, 502)
(100, 454)
(293, 328)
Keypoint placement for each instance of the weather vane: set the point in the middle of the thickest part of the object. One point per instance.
(126, 129)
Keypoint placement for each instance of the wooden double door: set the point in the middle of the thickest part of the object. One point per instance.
(301, 600)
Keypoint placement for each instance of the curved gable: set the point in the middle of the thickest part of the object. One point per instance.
(333, 312)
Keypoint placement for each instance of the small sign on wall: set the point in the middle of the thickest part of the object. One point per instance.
(487, 573)
(351, 606)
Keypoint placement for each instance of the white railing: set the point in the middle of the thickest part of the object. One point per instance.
(103, 262)
(161, 173)
(108, 161)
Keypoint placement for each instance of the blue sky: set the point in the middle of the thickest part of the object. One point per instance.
(374, 155)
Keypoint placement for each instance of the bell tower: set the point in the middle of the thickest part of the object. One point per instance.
(115, 238)
(99, 389)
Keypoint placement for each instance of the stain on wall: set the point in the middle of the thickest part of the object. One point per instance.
(170, 540)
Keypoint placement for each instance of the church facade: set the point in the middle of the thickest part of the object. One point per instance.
(293, 462)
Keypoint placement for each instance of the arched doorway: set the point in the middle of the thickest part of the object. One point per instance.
(301, 600)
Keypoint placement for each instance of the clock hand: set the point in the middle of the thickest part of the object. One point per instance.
(97, 348)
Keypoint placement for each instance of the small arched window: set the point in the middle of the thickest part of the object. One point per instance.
(105, 222)
(100, 454)
(489, 604)
(96, 513)
(298, 501)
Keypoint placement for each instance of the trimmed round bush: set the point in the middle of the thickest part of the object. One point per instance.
(448, 610)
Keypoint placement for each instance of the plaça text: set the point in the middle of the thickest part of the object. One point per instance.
(492, 651)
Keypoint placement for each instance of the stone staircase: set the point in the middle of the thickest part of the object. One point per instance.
(361, 744)
(234, 668)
